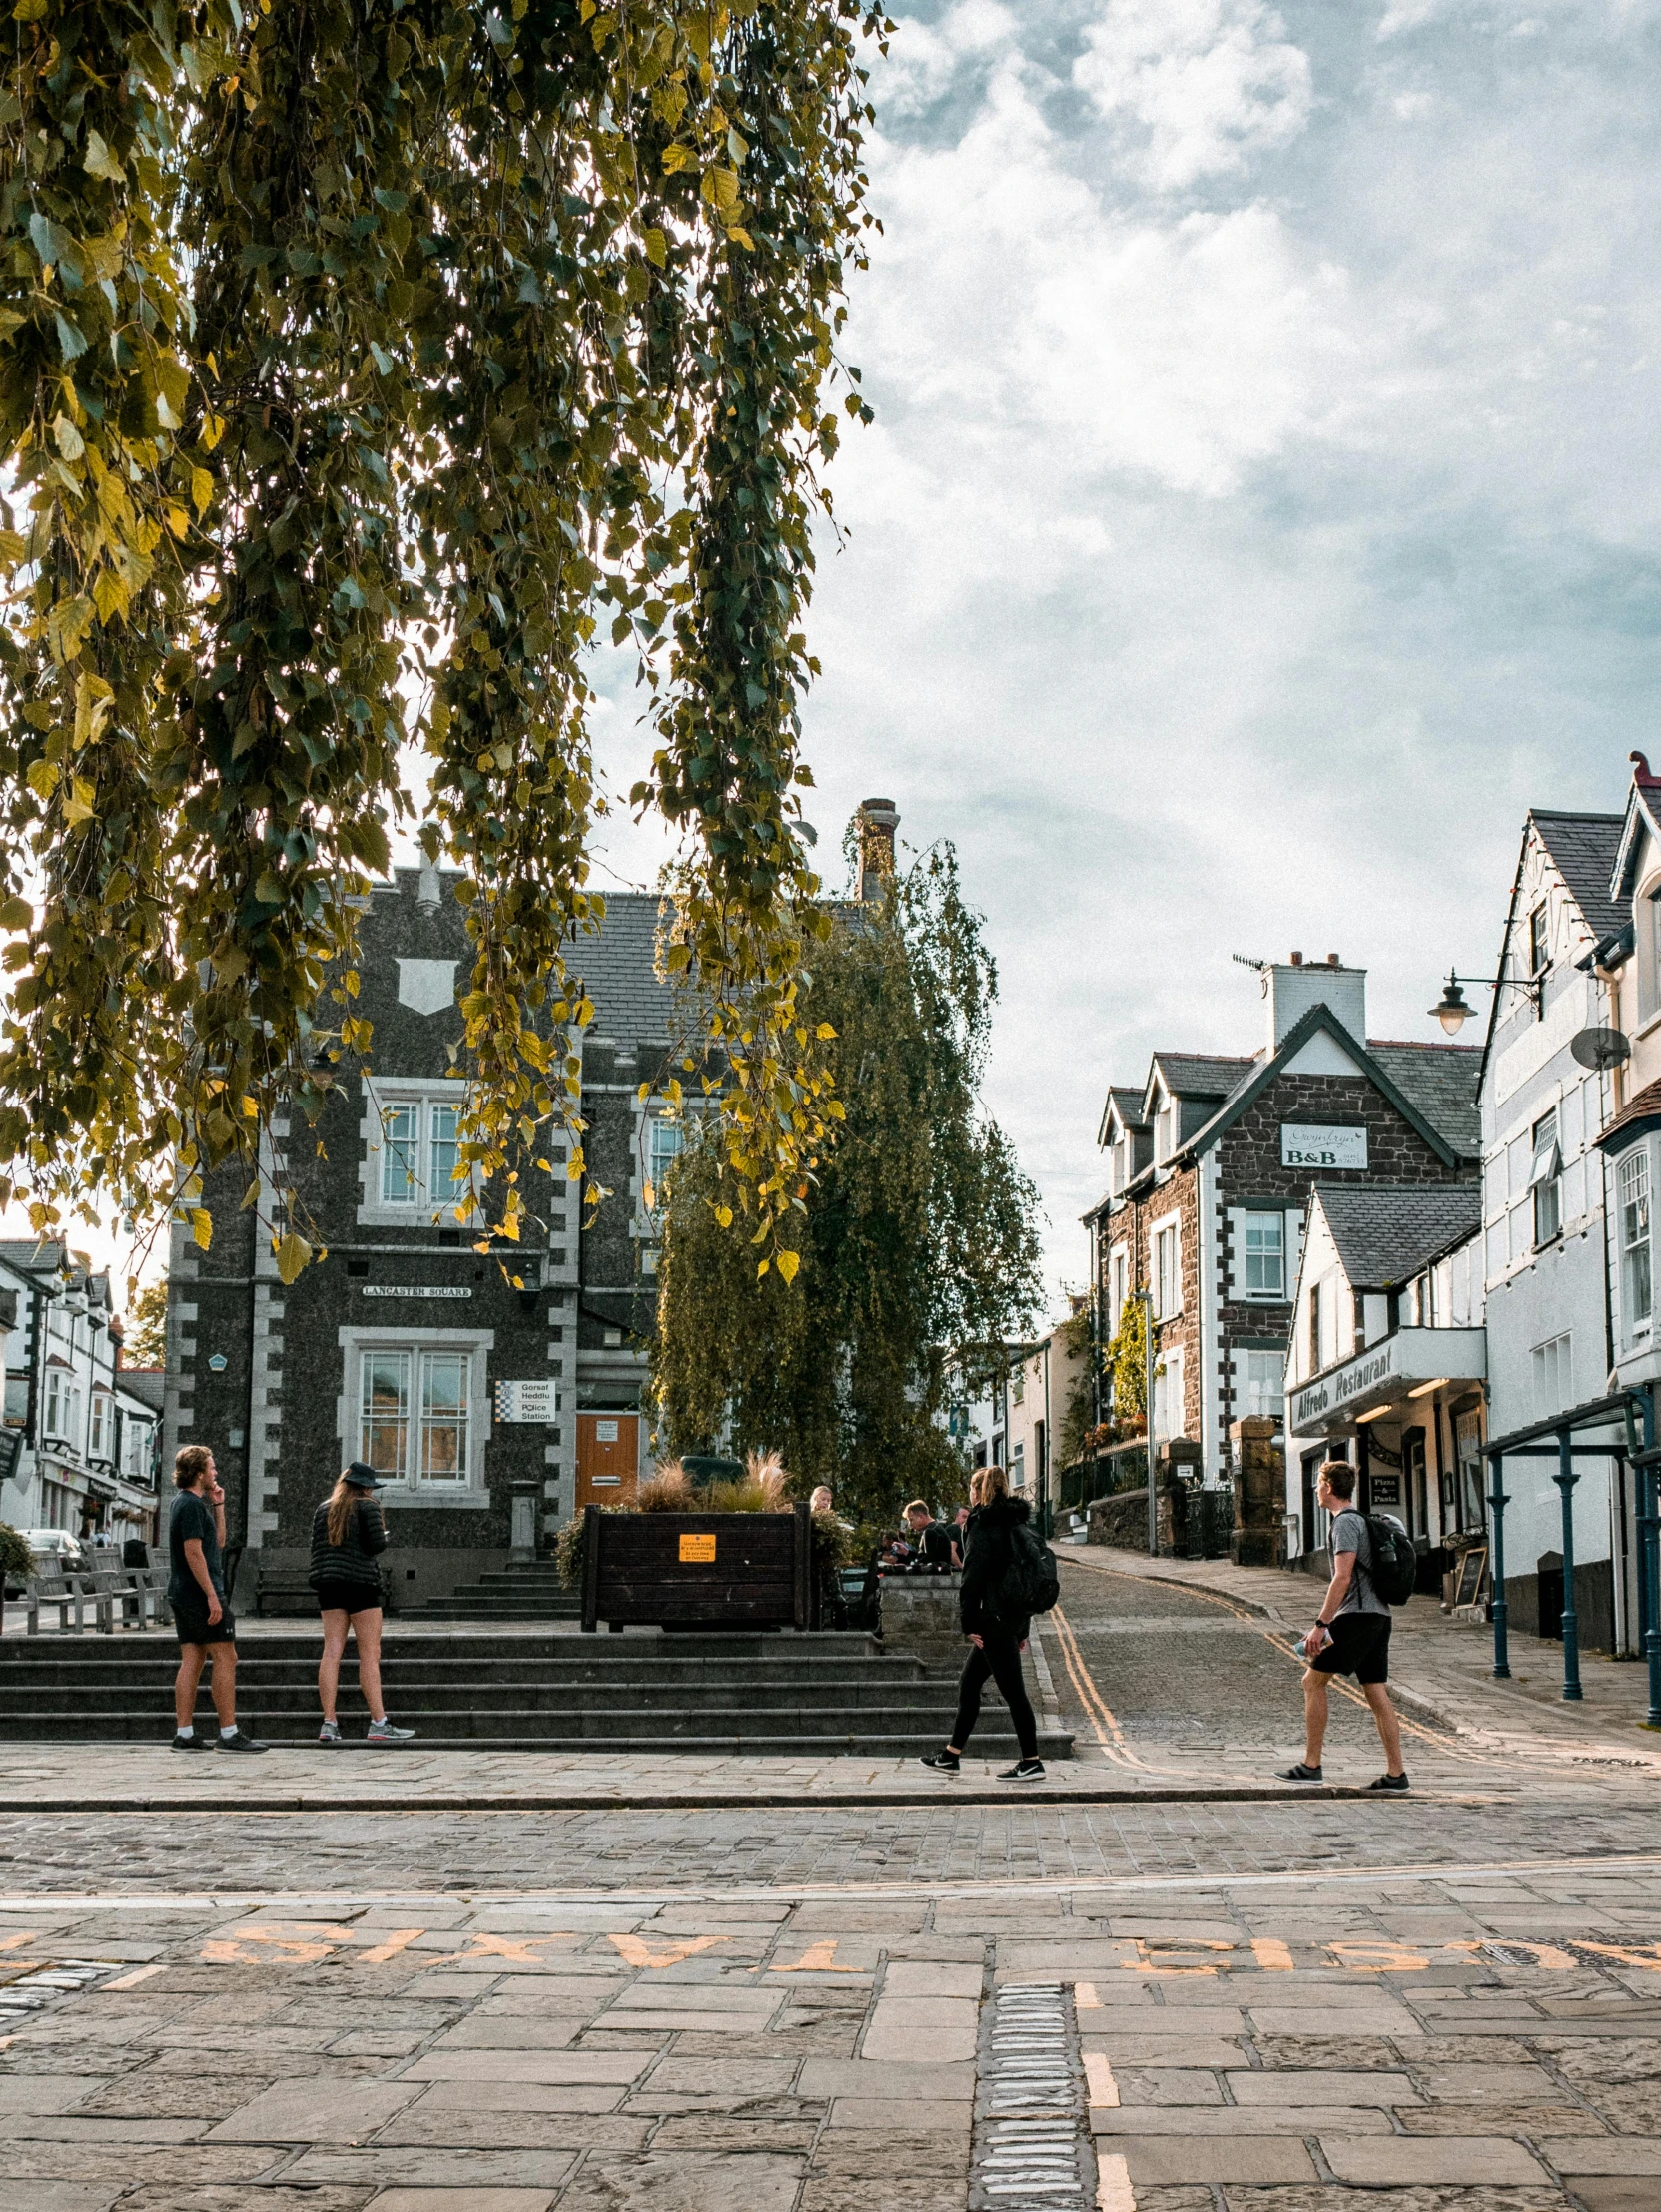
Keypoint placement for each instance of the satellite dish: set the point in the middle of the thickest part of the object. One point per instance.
(1600, 1049)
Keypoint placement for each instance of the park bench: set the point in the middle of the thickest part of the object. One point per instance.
(139, 1592)
(62, 1592)
(286, 1587)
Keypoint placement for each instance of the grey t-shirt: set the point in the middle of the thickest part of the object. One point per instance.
(1350, 1534)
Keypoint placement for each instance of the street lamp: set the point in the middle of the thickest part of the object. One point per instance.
(1453, 1009)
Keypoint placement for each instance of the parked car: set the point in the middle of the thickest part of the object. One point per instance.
(56, 1551)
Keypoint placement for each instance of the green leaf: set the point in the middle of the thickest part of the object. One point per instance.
(98, 160)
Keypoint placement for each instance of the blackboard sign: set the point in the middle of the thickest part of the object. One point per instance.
(1474, 1572)
(1386, 1490)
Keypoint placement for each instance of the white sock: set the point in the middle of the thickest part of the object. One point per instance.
(186, 1729)
(225, 1731)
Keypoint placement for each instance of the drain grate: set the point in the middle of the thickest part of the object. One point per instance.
(1032, 2148)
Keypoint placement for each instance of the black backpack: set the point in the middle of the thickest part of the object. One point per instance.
(1395, 1569)
(1031, 1584)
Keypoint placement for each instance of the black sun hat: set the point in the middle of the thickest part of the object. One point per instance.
(362, 1477)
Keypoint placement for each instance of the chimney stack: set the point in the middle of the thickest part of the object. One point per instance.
(876, 820)
(1291, 989)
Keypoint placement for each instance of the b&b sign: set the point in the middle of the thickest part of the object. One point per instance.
(532, 1400)
(1303, 1144)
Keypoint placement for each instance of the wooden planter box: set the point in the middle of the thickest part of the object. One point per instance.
(718, 1570)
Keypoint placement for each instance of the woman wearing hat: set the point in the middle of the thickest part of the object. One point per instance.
(348, 1533)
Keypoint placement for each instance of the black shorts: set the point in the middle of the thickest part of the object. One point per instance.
(1360, 1647)
(190, 1622)
(347, 1597)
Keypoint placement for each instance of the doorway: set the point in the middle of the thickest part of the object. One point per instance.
(607, 1458)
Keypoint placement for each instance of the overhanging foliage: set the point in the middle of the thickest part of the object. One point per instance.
(360, 358)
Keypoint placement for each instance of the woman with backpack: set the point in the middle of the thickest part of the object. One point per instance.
(348, 1535)
(994, 1623)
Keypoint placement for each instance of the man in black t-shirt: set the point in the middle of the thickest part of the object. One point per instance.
(196, 1592)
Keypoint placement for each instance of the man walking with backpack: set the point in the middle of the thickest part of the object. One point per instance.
(1351, 1632)
(1009, 1575)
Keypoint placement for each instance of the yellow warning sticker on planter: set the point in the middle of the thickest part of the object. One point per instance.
(700, 1550)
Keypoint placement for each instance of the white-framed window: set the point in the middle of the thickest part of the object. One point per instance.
(412, 1145)
(1119, 1283)
(1646, 933)
(1553, 1377)
(61, 1418)
(664, 1138)
(414, 1415)
(1327, 1322)
(415, 1404)
(1636, 1293)
(1266, 1256)
(1018, 1467)
(1167, 1269)
(1545, 1181)
(1165, 1130)
(1168, 1396)
(1539, 942)
(101, 1431)
(1264, 1395)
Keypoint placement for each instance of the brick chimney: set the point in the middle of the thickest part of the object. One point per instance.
(876, 820)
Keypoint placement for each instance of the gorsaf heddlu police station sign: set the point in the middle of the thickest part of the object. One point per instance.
(532, 1400)
(1308, 1145)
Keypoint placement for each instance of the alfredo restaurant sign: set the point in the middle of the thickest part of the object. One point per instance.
(1345, 1384)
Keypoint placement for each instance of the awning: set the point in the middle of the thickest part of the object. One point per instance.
(1386, 1371)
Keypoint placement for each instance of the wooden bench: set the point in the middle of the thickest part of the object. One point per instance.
(63, 1592)
(283, 1586)
(139, 1592)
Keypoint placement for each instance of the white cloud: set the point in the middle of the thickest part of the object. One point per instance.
(1195, 87)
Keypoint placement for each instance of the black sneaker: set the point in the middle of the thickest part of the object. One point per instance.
(947, 1763)
(239, 1740)
(1023, 1769)
(1300, 1772)
(192, 1743)
(1389, 1782)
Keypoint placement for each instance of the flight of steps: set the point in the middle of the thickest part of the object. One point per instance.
(532, 1592)
(509, 1688)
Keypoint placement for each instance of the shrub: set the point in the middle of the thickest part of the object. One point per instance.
(17, 1562)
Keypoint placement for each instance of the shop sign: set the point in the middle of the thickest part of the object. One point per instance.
(1333, 1392)
(1315, 1145)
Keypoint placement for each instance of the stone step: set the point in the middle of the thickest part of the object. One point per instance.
(841, 1698)
(299, 1729)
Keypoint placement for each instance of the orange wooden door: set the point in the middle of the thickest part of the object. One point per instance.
(607, 1458)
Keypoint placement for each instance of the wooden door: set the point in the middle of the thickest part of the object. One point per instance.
(607, 1458)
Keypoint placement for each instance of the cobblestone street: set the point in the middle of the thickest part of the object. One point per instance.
(1217, 2003)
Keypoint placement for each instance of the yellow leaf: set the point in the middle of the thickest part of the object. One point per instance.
(723, 1214)
(788, 1263)
(99, 162)
(177, 521)
(202, 1226)
(67, 439)
(657, 248)
(201, 489)
(762, 1270)
(824, 1030)
(110, 595)
(291, 1255)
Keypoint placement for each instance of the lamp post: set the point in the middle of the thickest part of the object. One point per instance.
(1496, 1568)
(1145, 1298)
(1565, 1479)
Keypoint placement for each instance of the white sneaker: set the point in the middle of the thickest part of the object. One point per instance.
(383, 1732)
(330, 1733)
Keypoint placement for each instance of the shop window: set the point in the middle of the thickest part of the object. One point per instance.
(1467, 1450)
(1266, 1256)
(1545, 1181)
(1635, 1255)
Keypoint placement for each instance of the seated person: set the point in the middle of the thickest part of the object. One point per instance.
(930, 1540)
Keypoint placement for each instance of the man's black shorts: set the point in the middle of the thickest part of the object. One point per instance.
(194, 1627)
(1360, 1647)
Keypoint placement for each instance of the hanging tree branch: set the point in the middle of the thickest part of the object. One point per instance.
(353, 351)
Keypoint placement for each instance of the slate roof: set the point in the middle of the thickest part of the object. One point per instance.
(1386, 1233)
(619, 967)
(146, 1385)
(1442, 1081)
(1584, 848)
(1129, 1102)
(1202, 1074)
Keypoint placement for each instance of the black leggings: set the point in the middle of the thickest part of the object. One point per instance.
(1001, 1659)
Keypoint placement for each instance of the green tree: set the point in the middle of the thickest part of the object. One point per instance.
(358, 360)
(145, 1344)
(1075, 1338)
(921, 1251)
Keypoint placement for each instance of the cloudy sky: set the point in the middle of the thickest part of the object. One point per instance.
(1260, 509)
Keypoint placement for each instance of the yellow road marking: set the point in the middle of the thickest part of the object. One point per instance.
(1104, 2090)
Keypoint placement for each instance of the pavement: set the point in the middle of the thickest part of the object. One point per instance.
(694, 1986)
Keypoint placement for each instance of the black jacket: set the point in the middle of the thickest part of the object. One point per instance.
(352, 1560)
(987, 1552)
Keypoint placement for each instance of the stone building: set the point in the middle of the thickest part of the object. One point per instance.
(1211, 1166)
(404, 1346)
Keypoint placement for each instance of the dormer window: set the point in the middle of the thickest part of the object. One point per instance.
(1165, 1130)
